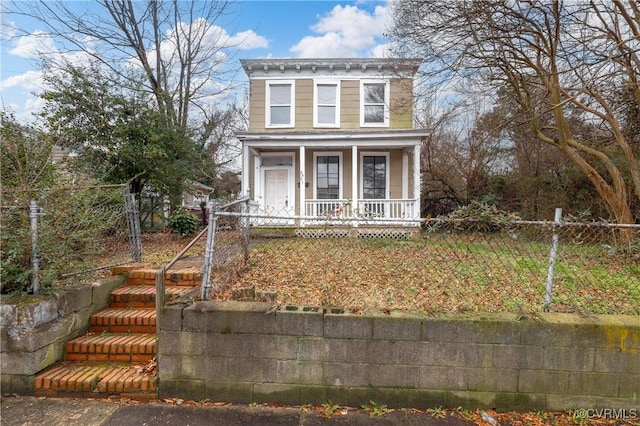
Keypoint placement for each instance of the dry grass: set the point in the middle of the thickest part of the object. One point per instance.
(359, 275)
(410, 275)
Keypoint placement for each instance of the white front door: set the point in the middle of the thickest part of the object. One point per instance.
(276, 193)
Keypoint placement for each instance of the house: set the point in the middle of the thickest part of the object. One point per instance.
(332, 138)
(195, 194)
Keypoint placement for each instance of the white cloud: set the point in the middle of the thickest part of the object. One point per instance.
(382, 51)
(9, 29)
(28, 81)
(346, 31)
(246, 40)
(34, 45)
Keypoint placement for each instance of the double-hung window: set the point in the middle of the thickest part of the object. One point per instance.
(374, 108)
(375, 183)
(328, 177)
(280, 104)
(326, 107)
(327, 182)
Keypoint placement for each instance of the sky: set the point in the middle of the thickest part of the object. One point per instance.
(259, 29)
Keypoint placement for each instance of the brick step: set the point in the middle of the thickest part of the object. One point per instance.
(121, 347)
(124, 320)
(189, 276)
(139, 296)
(97, 380)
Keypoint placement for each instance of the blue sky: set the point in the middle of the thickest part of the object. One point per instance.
(268, 29)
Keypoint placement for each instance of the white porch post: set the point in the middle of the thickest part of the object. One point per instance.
(303, 164)
(245, 170)
(417, 181)
(354, 180)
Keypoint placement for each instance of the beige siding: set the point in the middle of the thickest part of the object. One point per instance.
(395, 173)
(304, 104)
(401, 104)
(350, 104)
(257, 93)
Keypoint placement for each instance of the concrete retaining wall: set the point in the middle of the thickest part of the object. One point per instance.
(243, 352)
(35, 329)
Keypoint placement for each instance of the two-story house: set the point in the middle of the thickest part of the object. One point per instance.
(332, 138)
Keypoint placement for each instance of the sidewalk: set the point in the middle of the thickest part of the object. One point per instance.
(25, 410)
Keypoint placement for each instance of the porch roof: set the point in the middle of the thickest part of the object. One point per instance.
(405, 137)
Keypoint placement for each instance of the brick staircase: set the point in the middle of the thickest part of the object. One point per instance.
(116, 357)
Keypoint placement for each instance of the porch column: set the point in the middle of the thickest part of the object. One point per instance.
(301, 184)
(245, 170)
(417, 181)
(354, 180)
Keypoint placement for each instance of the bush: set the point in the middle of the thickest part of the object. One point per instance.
(183, 222)
(482, 217)
(474, 217)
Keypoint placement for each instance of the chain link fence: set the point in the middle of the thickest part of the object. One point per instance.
(434, 265)
(51, 237)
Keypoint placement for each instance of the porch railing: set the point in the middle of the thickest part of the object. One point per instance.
(365, 208)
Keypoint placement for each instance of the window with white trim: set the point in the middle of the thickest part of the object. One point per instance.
(280, 103)
(374, 108)
(328, 177)
(374, 176)
(326, 106)
(375, 183)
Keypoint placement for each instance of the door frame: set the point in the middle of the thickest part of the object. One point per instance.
(290, 181)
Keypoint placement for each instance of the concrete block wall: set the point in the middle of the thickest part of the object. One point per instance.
(35, 329)
(246, 352)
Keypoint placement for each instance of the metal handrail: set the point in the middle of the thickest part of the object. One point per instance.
(160, 275)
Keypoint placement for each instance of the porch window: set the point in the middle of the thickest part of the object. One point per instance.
(280, 104)
(328, 177)
(326, 106)
(374, 183)
(375, 101)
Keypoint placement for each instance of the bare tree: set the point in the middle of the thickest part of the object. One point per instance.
(555, 58)
(180, 47)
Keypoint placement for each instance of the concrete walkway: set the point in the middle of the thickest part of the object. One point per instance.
(25, 410)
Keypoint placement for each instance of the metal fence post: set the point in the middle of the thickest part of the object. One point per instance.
(552, 259)
(34, 211)
(209, 251)
(245, 229)
(160, 295)
(133, 223)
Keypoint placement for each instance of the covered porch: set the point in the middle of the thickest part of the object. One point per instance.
(333, 177)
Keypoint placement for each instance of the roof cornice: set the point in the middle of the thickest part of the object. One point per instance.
(324, 66)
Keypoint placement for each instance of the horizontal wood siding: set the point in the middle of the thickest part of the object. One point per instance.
(304, 104)
(350, 104)
(395, 173)
(257, 93)
(401, 107)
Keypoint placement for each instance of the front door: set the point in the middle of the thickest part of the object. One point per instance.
(276, 194)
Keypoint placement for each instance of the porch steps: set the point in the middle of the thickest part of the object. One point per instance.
(143, 296)
(118, 347)
(116, 357)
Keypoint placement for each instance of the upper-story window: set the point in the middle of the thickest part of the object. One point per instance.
(280, 103)
(326, 106)
(374, 109)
